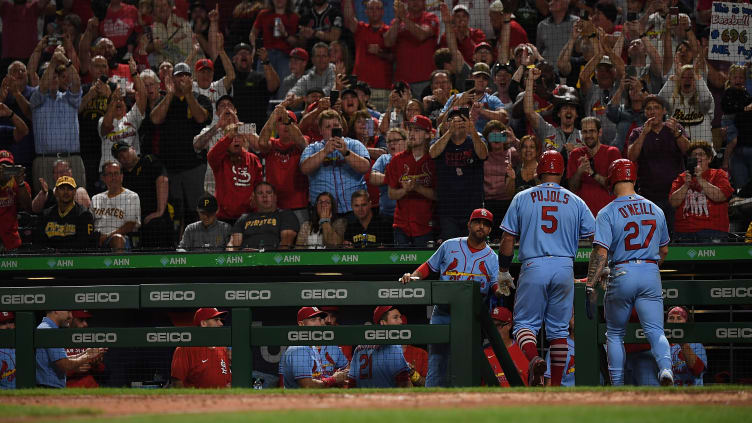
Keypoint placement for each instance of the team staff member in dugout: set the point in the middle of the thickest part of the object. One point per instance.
(311, 366)
(202, 367)
(464, 258)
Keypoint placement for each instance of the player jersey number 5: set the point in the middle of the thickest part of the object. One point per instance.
(547, 215)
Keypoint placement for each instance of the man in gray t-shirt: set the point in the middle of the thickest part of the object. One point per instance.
(208, 232)
(554, 32)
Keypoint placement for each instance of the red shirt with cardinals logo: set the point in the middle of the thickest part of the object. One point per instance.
(202, 367)
(414, 211)
(283, 172)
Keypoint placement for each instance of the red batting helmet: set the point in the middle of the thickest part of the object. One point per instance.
(550, 161)
(621, 170)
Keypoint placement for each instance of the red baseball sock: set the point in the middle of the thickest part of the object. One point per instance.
(558, 351)
(528, 344)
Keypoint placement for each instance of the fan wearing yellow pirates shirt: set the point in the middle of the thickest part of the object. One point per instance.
(67, 225)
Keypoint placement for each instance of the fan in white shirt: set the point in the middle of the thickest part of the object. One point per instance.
(117, 211)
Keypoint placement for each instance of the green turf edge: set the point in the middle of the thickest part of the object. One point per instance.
(19, 410)
(558, 413)
(246, 391)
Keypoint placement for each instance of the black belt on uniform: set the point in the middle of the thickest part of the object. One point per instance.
(636, 261)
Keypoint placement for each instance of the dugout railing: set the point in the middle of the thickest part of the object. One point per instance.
(591, 334)
(469, 320)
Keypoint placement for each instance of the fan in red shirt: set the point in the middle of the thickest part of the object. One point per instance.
(15, 194)
(202, 367)
(237, 171)
(413, 34)
(119, 23)
(502, 319)
(410, 176)
(701, 196)
(282, 156)
(373, 60)
(467, 38)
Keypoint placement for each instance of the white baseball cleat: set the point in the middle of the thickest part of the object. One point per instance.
(666, 378)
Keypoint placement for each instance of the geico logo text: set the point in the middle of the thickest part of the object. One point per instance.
(675, 333)
(670, 293)
(402, 293)
(23, 299)
(741, 292)
(96, 297)
(325, 335)
(109, 337)
(376, 334)
(323, 294)
(733, 333)
(254, 294)
(168, 337)
(172, 295)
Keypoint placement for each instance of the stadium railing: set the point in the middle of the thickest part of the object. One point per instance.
(591, 334)
(463, 334)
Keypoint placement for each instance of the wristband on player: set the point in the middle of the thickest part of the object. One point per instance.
(329, 381)
(505, 261)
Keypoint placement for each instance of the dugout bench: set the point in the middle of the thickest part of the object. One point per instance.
(468, 365)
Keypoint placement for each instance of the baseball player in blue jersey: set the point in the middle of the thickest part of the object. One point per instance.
(549, 221)
(380, 366)
(304, 366)
(631, 231)
(457, 259)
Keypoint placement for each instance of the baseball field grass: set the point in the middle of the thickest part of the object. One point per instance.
(477, 405)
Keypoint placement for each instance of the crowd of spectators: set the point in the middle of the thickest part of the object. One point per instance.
(240, 124)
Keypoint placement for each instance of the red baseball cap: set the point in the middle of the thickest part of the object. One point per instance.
(292, 116)
(6, 156)
(421, 122)
(501, 314)
(308, 312)
(299, 53)
(205, 314)
(482, 214)
(329, 308)
(481, 45)
(7, 316)
(204, 64)
(379, 311)
(81, 314)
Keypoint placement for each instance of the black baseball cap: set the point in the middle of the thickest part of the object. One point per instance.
(207, 203)
(117, 147)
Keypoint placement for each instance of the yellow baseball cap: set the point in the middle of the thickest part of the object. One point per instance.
(65, 180)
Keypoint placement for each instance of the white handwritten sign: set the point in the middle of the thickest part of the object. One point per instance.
(731, 32)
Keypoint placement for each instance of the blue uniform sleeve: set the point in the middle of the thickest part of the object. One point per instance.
(664, 237)
(340, 360)
(603, 235)
(699, 351)
(399, 362)
(438, 257)
(302, 364)
(448, 104)
(587, 228)
(510, 223)
(357, 147)
(354, 365)
(381, 162)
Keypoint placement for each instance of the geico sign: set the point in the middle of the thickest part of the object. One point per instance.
(402, 293)
(23, 299)
(295, 335)
(374, 334)
(168, 337)
(96, 297)
(733, 333)
(676, 333)
(94, 337)
(255, 294)
(670, 293)
(172, 295)
(323, 294)
(741, 292)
